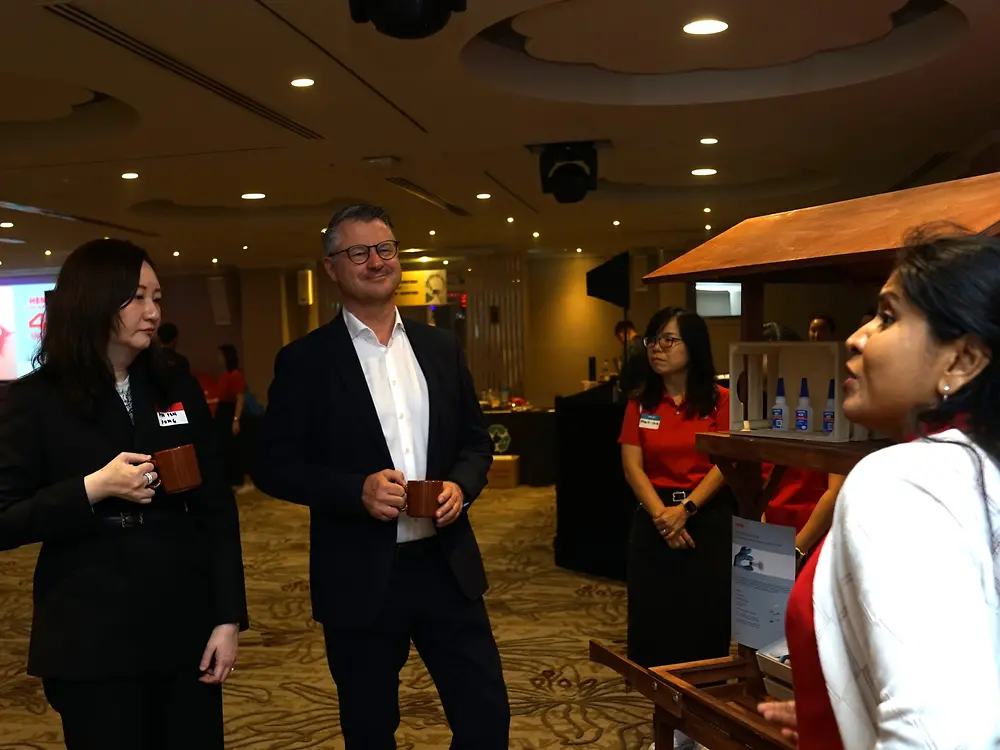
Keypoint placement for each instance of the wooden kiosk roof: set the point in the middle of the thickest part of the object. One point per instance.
(852, 240)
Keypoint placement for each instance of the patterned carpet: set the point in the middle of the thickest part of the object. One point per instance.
(282, 697)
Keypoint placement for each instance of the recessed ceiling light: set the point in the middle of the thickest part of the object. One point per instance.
(253, 196)
(704, 26)
(510, 219)
(323, 230)
(1, 262)
(432, 233)
(707, 210)
(445, 262)
(303, 83)
(616, 222)
(708, 226)
(48, 252)
(130, 176)
(704, 172)
(469, 270)
(484, 196)
(579, 249)
(215, 260)
(6, 224)
(709, 141)
(535, 235)
(423, 259)
(246, 247)
(176, 254)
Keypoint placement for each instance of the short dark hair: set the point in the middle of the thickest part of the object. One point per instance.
(97, 280)
(702, 391)
(167, 332)
(230, 357)
(623, 326)
(828, 319)
(363, 212)
(955, 283)
(774, 331)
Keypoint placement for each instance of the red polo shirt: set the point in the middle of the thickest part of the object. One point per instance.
(666, 437)
(798, 493)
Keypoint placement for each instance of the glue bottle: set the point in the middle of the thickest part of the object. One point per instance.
(830, 410)
(803, 411)
(779, 412)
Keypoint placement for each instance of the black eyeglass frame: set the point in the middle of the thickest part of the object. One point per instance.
(394, 244)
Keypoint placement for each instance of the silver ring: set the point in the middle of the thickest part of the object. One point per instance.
(149, 478)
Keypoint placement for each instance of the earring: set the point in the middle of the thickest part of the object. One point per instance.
(947, 391)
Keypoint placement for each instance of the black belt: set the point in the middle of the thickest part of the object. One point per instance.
(417, 548)
(133, 519)
(672, 497)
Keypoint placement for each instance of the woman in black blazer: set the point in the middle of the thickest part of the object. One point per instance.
(139, 595)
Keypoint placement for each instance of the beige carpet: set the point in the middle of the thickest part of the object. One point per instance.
(282, 697)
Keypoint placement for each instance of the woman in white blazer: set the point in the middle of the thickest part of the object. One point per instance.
(894, 627)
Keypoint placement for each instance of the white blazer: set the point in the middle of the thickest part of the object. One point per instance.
(906, 600)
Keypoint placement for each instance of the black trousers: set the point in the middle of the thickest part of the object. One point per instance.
(140, 713)
(679, 600)
(229, 444)
(452, 635)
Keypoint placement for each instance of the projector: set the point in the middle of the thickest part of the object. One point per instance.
(406, 19)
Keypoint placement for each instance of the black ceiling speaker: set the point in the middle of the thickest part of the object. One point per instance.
(406, 19)
(568, 170)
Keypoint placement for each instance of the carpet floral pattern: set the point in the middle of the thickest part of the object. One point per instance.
(281, 696)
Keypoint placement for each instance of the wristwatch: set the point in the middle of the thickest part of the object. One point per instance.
(690, 507)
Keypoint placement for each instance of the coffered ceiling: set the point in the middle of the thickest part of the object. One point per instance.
(809, 102)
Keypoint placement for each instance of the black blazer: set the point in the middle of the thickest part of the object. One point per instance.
(110, 601)
(321, 438)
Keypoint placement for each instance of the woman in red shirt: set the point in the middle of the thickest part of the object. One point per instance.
(680, 554)
(228, 411)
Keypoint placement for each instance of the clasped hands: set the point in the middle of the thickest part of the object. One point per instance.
(670, 523)
(384, 496)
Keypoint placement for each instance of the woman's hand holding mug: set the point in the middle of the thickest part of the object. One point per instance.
(130, 476)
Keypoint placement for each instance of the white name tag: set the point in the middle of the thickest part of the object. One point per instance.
(174, 416)
(649, 422)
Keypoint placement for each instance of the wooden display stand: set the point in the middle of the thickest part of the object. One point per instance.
(714, 701)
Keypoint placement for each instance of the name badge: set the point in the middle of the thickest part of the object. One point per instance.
(172, 416)
(649, 422)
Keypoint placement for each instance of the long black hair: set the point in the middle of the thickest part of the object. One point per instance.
(230, 357)
(701, 391)
(955, 282)
(97, 280)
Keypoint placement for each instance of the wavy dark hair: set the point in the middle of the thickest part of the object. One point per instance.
(701, 392)
(230, 357)
(954, 280)
(97, 280)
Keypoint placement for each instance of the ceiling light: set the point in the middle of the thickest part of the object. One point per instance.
(709, 141)
(176, 253)
(469, 270)
(704, 172)
(484, 196)
(510, 219)
(48, 252)
(215, 260)
(1, 262)
(445, 262)
(323, 230)
(705, 26)
(616, 222)
(707, 210)
(130, 176)
(303, 83)
(579, 249)
(246, 247)
(432, 233)
(6, 224)
(253, 196)
(708, 226)
(423, 259)
(535, 235)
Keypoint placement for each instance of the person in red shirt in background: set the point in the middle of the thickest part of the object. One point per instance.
(231, 393)
(680, 546)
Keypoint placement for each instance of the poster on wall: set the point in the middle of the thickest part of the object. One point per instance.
(422, 288)
(22, 317)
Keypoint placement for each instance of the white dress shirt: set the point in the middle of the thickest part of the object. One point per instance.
(905, 600)
(399, 391)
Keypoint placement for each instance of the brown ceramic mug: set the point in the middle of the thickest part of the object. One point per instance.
(177, 468)
(422, 497)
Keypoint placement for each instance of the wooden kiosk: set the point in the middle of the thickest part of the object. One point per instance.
(714, 701)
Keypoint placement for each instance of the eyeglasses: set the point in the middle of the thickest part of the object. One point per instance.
(360, 253)
(665, 341)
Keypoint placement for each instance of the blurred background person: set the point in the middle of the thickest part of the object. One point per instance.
(231, 395)
(680, 558)
(139, 595)
(632, 369)
(174, 360)
(865, 620)
(822, 328)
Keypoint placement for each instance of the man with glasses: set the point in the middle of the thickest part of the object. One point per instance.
(357, 409)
